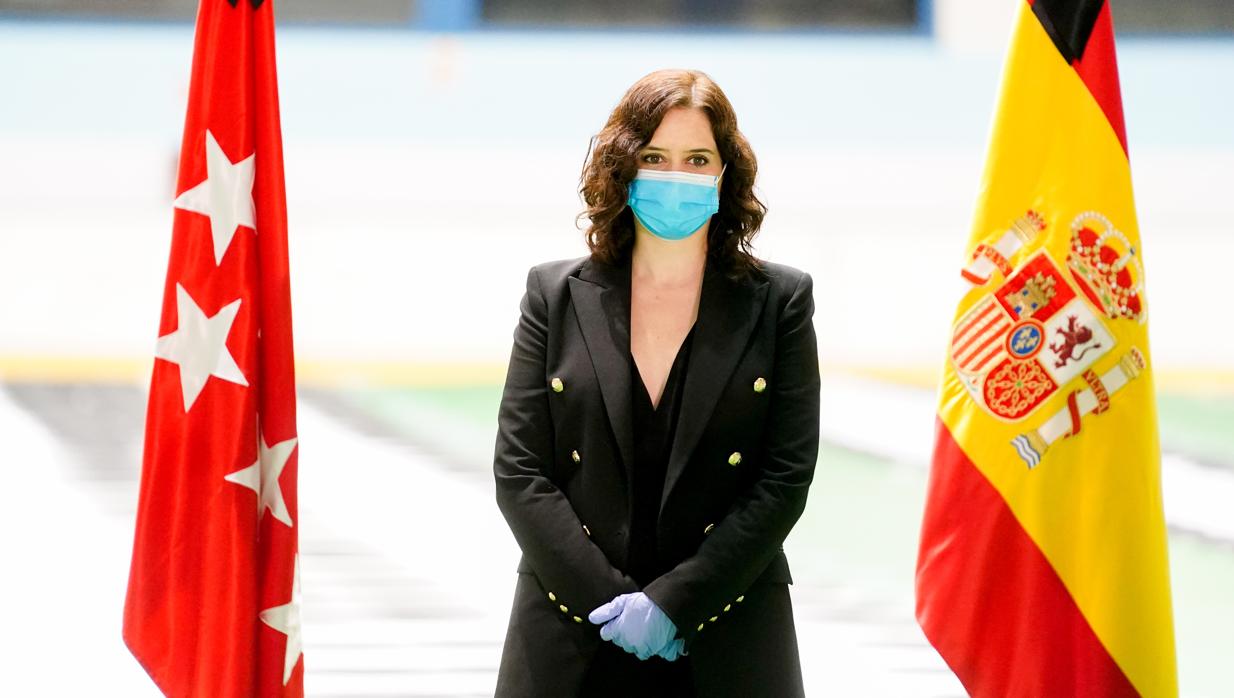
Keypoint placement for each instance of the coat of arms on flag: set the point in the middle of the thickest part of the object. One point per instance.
(1042, 325)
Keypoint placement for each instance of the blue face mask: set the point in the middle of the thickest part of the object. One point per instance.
(672, 204)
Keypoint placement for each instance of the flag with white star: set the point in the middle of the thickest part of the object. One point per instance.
(213, 603)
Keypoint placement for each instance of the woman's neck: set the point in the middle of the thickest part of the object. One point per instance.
(669, 263)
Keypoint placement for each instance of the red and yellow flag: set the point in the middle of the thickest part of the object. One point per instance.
(1043, 564)
(213, 597)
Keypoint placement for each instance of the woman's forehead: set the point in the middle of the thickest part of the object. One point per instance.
(683, 128)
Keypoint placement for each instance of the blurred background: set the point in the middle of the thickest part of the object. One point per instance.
(431, 141)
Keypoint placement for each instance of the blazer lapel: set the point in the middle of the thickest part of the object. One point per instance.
(601, 296)
(727, 314)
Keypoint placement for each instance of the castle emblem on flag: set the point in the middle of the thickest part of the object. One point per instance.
(1045, 326)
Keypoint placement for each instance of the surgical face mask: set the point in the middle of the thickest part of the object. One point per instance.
(672, 204)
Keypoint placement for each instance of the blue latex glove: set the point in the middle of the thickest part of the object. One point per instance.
(674, 650)
(636, 624)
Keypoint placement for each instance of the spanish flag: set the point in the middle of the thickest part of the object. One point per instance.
(1042, 569)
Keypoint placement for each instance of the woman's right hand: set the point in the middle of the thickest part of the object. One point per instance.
(636, 624)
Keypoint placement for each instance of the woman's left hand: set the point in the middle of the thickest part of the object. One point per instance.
(636, 624)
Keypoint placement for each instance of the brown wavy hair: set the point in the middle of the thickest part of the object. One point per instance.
(613, 161)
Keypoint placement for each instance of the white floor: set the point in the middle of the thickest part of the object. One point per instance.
(408, 573)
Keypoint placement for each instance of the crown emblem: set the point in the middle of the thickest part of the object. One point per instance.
(1105, 266)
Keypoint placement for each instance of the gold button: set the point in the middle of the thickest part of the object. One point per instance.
(563, 608)
(700, 626)
(735, 458)
(741, 598)
(713, 618)
(577, 619)
(708, 529)
(586, 530)
(760, 384)
(728, 606)
(552, 596)
(575, 456)
(558, 386)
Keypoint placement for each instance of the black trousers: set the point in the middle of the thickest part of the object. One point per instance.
(615, 673)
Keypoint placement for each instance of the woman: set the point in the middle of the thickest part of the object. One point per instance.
(658, 429)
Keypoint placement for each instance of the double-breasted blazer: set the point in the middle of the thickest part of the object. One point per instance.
(740, 466)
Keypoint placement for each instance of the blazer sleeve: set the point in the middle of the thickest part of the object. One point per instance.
(573, 570)
(753, 529)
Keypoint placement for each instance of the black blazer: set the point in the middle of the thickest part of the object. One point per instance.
(741, 463)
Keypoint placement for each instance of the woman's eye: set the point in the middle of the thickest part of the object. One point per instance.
(652, 158)
(698, 161)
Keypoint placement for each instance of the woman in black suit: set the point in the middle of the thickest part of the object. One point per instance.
(658, 430)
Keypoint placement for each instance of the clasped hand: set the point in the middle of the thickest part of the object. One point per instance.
(636, 624)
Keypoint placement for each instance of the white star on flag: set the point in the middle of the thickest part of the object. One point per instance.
(226, 195)
(263, 477)
(286, 620)
(199, 346)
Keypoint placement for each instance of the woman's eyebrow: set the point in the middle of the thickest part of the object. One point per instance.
(691, 150)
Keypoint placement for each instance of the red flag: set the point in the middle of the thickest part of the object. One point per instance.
(213, 597)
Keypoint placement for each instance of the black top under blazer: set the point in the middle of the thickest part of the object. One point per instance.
(740, 466)
(654, 426)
